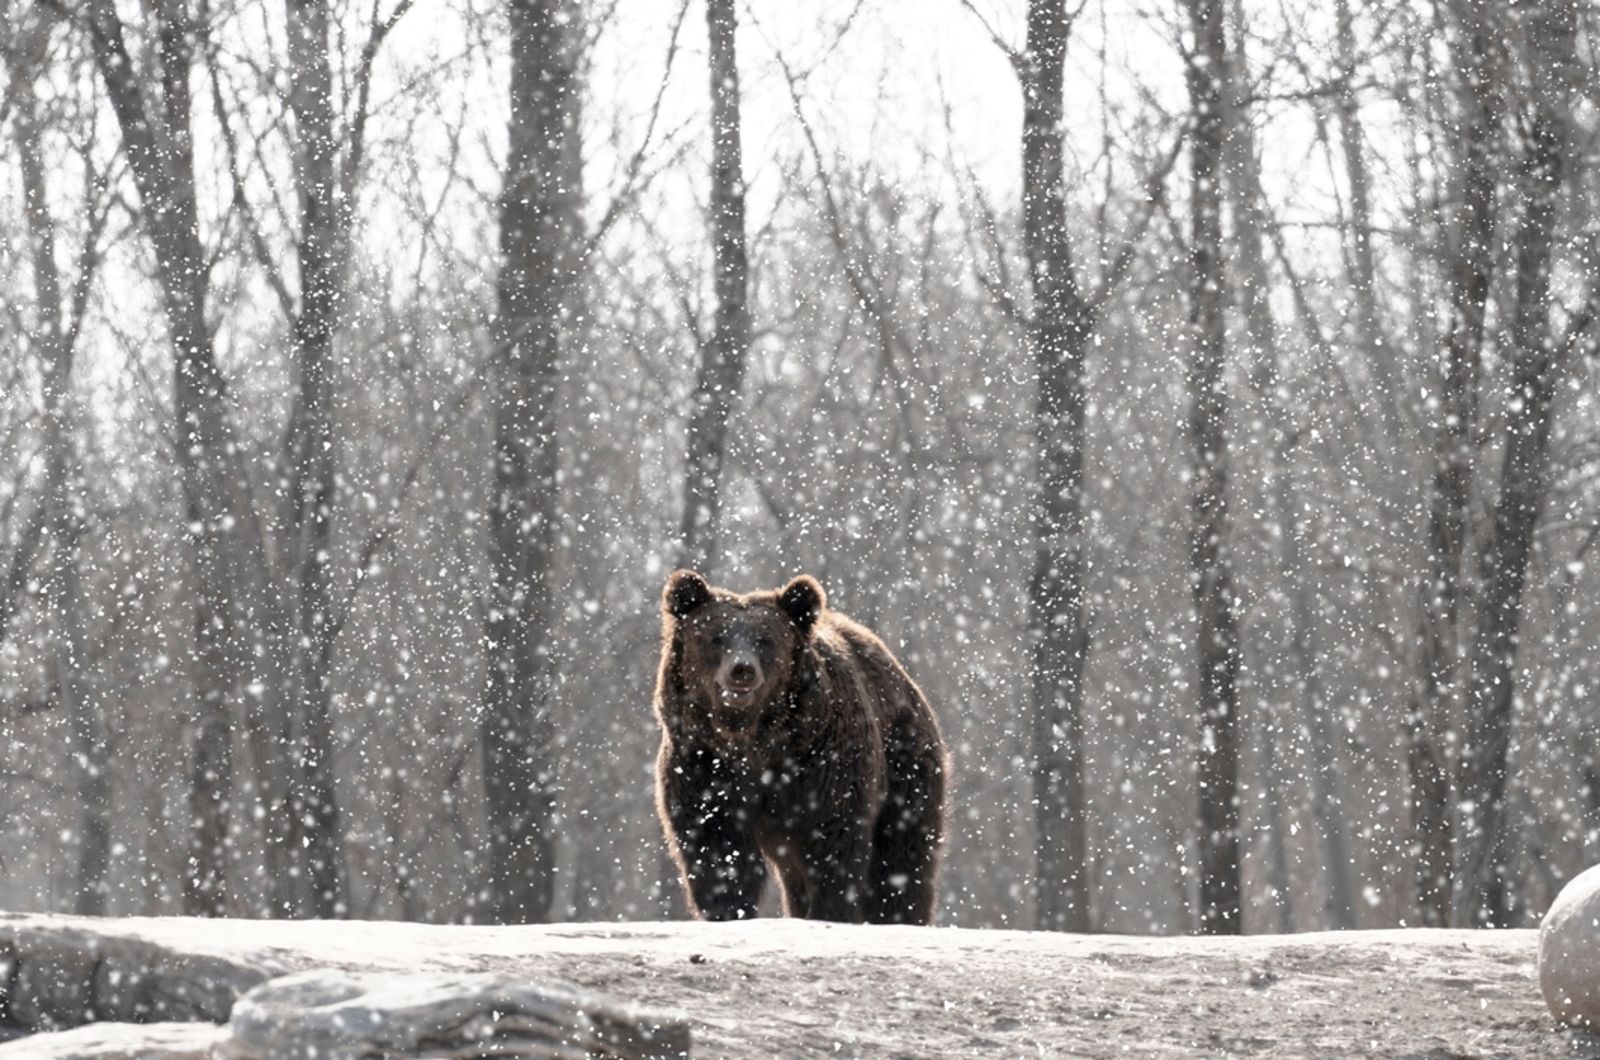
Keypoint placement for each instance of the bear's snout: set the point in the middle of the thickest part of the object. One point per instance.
(739, 674)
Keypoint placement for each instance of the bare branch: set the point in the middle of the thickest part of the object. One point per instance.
(28, 547)
(630, 180)
(381, 28)
(241, 199)
(1155, 190)
(1018, 61)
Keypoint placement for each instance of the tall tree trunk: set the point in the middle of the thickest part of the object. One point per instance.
(723, 356)
(1294, 557)
(14, 579)
(310, 452)
(1591, 799)
(33, 529)
(1211, 579)
(1571, 688)
(1470, 271)
(1524, 474)
(1277, 834)
(1058, 633)
(1327, 777)
(54, 343)
(237, 607)
(91, 758)
(540, 248)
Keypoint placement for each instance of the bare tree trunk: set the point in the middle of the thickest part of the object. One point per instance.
(310, 451)
(30, 543)
(723, 356)
(34, 528)
(211, 780)
(1277, 834)
(55, 344)
(1299, 568)
(540, 246)
(236, 604)
(1455, 411)
(91, 757)
(1211, 579)
(1327, 777)
(1058, 633)
(1591, 801)
(1570, 686)
(1524, 475)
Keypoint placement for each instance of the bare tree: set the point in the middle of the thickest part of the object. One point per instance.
(1536, 361)
(236, 605)
(308, 521)
(1211, 578)
(1060, 328)
(325, 178)
(22, 51)
(540, 244)
(1294, 554)
(1469, 271)
(327, 144)
(1065, 316)
(59, 317)
(266, 616)
(723, 355)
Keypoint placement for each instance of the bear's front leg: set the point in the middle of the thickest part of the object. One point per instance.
(839, 861)
(722, 869)
(709, 827)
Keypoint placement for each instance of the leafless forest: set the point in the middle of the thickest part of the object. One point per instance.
(1200, 396)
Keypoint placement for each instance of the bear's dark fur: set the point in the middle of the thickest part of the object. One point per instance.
(793, 741)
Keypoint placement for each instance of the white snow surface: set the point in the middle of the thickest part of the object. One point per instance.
(796, 988)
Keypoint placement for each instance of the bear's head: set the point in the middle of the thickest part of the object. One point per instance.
(738, 651)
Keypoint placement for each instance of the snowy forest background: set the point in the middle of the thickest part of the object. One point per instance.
(340, 470)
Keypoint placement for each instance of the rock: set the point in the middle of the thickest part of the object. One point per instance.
(58, 972)
(1569, 953)
(331, 1015)
(119, 1041)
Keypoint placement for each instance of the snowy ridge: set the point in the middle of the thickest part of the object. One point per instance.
(796, 988)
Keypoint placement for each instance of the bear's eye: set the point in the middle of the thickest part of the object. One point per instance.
(763, 642)
(718, 640)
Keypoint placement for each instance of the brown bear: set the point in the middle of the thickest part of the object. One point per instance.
(793, 741)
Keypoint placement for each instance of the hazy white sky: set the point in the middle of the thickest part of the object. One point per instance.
(880, 76)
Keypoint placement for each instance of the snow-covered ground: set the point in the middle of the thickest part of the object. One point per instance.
(792, 988)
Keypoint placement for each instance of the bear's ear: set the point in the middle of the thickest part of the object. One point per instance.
(803, 600)
(685, 591)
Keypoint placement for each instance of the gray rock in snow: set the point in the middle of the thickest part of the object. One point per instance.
(1569, 952)
(332, 1015)
(59, 972)
(119, 1041)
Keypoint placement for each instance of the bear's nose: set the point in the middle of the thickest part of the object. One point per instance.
(742, 675)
